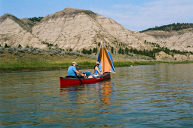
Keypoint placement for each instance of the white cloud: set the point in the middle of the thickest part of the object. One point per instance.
(159, 12)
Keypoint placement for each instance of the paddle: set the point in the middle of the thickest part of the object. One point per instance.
(78, 77)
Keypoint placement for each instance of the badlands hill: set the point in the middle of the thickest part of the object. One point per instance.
(77, 29)
(68, 29)
(174, 36)
(13, 32)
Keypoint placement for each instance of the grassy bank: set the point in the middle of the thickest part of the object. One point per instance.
(37, 63)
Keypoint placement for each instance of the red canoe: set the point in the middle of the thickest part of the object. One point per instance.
(67, 82)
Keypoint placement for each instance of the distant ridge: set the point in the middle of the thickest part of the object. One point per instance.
(171, 27)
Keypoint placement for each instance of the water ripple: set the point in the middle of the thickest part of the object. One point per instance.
(139, 96)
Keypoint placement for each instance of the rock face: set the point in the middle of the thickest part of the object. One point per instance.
(179, 57)
(163, 56)
(14, 32)
(78, 29)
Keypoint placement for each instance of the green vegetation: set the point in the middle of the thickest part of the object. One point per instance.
(31, 59)
(121, 51)
(171, 27)
(84, 51)
(19, 46)
(151, 53)
(36, 19)
(95, 50)
(49, 45)
(24, 61)
(90, 13)
(164, 49)
(112, 50)
(12, 63)
(6, 46)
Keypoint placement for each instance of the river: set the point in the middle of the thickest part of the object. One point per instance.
(140, 96)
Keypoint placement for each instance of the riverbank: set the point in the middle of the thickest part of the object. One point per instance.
(42, 63)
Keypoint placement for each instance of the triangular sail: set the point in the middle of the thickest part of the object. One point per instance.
(105, 60)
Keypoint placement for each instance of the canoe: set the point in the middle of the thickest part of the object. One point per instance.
(67, 82)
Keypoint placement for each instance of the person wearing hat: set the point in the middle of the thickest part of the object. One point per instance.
(96, 69)
(72, 71)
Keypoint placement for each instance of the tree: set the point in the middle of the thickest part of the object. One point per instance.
(95, 50)
(84, 51)
(36, 19)
(112, 50)
(121, 51)
(70, 49)
(126, 51)
(90, 51)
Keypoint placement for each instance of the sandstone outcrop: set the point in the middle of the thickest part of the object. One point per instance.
(77, 29)
(163, 56)
(14, 32)
(179, 40)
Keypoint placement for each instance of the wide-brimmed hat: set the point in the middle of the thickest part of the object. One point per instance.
(74, 63)
(97, 62)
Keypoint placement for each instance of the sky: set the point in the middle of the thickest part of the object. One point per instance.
(135, 15)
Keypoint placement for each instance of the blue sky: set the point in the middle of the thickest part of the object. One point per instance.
(135, 15)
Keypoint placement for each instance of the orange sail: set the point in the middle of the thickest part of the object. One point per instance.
(105, 60)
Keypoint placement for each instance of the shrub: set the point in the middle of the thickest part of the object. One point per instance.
(126, 51)
(6, 46)
(19, 46)
(70, 49)
(121, 51)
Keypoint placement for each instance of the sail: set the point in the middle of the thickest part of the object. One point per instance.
(105, 60)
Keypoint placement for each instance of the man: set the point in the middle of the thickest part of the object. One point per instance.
(72, 71)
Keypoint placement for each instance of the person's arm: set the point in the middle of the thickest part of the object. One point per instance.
(77, 72)
(98, 71)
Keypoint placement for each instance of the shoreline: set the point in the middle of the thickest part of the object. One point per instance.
(82, 64)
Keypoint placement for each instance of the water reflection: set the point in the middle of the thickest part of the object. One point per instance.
(83, 94)
(106, 93)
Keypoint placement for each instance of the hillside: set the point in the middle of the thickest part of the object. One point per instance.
(14, 31)
(175, 40)
(77, 29)
(80, 31)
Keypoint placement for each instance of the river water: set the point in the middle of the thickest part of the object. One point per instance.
(139, 96)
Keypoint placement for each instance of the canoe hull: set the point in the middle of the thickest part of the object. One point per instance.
(67, 82)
